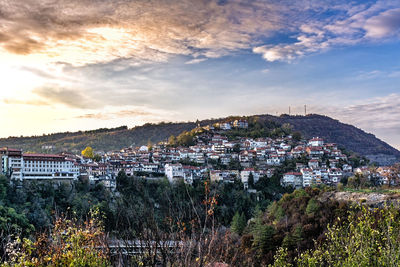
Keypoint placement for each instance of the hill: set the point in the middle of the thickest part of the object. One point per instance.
(331, 130)
(348, 136)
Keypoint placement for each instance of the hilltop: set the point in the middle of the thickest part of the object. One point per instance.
(345, 135)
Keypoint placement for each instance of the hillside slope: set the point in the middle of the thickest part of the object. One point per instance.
(348, 136)
(331, 130)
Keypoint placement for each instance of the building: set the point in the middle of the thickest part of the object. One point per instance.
(313, 164)
(225, 126)
(294, 179)
(243, 124)
(12, 162)
(174, 172)
(316, 141)
(307, 176)
(245, 174)
(227, 176)
(48, 166)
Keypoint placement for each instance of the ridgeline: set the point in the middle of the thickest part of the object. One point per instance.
(345, 135)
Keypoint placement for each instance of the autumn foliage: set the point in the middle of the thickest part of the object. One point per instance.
(70, 243)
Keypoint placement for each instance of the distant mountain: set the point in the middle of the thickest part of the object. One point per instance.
(331, 130)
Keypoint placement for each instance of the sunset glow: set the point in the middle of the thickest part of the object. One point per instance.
(75, 65)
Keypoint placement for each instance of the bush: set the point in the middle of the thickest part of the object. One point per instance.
(70, 244)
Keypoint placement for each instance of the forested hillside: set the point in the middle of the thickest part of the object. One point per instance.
(331, 130)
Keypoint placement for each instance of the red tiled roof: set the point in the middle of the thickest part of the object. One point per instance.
(293, 173)
(42, 155)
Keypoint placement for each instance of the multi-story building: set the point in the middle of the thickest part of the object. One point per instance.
(37, 166)
(316, 141)
(294, 179)
(47, 166)
(241, 124)
(174, 172)
(12, 162)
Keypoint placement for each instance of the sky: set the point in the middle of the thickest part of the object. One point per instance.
(68, 65)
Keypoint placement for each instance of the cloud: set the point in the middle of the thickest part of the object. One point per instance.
(195, 60)
(53, 94)
(117, 114)
(385, 24)
(374, 114)
(279, 52)
(97, 31)
(9, 101)
(353, 24)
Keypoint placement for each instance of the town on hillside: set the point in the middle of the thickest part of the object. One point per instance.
(212, 153)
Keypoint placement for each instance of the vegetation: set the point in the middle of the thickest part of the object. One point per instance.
(70, 243)
(218, 222)
(365, 238)
(88, 152)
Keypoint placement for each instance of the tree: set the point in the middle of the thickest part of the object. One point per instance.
(236, 148)
(287, 128)
(122, 181)
(172, 140)
(88, 152)
(369, 237)
(97, 158)
(250, 182)
(238, 223)
(292, 240)
(312, 206)
(185, 139)
(150, 145)
(357, 181)
(296, 136)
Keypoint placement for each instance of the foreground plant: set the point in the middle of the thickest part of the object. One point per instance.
(70, 244)
(367, 238)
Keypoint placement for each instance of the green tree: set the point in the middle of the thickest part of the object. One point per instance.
(312, 206)
(185, 139)
(97, 158)
(238, 223)
(4, 185)
(236, 148)
(250, 182)
(262, 235)
(12, 222)
(368, 237)
(292, 240)
(296, 136)
(122, 181)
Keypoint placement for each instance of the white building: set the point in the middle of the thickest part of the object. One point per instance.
(225, 126)
(307, 176)
(316, 141)
(174, 172)
(241, 124)
(245, 174)
(11, 162)
(294, 179)
(47, 166)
